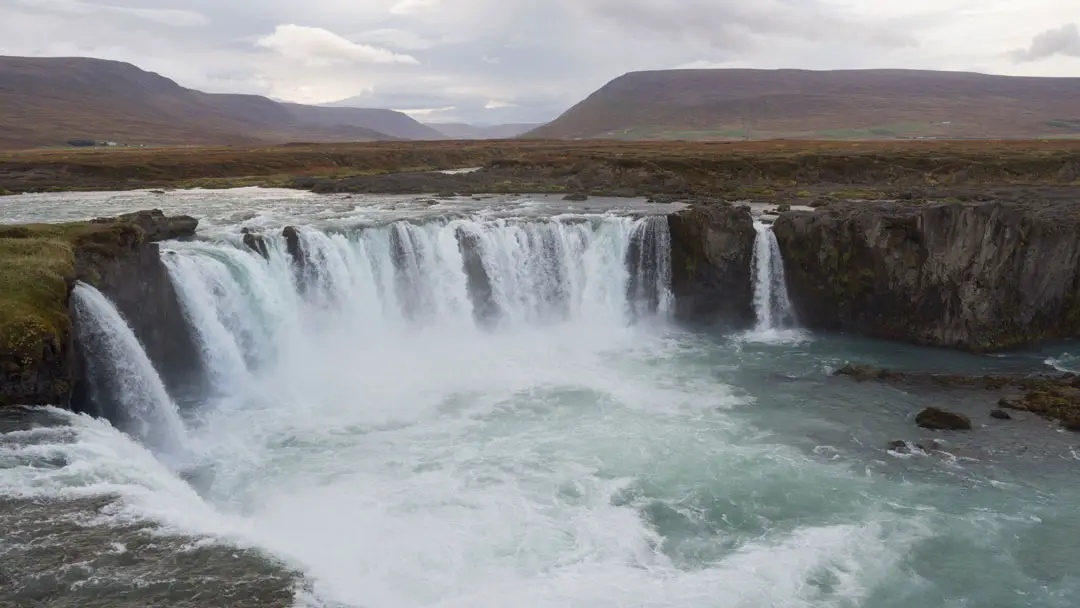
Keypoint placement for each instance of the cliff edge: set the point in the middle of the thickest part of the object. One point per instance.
(39, 265)
(975, 276)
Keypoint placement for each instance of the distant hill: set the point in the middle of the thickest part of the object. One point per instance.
(855, 104)
(396, 124)
(464, 131)
(49, 101)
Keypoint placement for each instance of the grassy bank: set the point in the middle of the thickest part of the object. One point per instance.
(37, 267)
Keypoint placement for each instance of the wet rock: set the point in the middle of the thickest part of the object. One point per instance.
(929, 446)
(157, 225)
(292, 244)
(976, 276)
(711, 251)
(1000, 415)
(256, 242)
(447, 194)
(863, 373)
(937, 419)
(783, 208)
(576, 196)
(900, 446)
(1071, 424)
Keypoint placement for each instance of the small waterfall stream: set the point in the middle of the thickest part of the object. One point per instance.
(120, 373)
(771, 304)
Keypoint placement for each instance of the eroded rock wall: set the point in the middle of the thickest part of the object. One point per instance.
(977, 276)
(712, 247)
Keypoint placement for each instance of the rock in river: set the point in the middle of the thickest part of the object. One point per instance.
(937, 419)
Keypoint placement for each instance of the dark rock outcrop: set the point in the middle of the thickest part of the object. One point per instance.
(977, 276)
(129, 271)
(937, 419)
(156, 225)
(577, 197)
(256, 242)
(1000, 415)
(485, 310)
(1051, 396)
(711, 251)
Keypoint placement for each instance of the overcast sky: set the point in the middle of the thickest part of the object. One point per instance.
(528, 60)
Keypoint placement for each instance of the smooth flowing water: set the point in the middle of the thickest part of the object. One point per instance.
(771, 304)
(484, 403)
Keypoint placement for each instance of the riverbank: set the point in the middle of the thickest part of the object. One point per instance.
(780, 171)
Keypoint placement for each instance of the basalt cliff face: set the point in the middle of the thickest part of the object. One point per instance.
(981, 276)
(39, 362)
(712, 247)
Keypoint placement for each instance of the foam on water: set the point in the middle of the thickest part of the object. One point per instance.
(486, 411)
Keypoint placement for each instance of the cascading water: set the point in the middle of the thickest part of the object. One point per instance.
(477, 403)
(449, 273)
(120, 373)
(771, 304)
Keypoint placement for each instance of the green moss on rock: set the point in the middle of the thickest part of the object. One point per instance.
(37, 269)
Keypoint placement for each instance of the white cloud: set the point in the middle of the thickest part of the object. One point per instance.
(495, 104)
(425, 113)
(318, 47)
(407, 7)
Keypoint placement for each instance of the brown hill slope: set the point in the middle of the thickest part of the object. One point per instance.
(47, 101)
(395, 124)
(867, 104)
(467, 131)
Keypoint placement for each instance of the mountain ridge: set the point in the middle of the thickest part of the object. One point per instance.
(836, 104)
(47, 101)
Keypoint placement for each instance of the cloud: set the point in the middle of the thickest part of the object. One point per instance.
(317, 47)
(406, 7)
(396, 39)
(163, 16)
(495, 104)
(737, 24)
(1064, 40)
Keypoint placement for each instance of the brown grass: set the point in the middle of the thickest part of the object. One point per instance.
(1003, 161)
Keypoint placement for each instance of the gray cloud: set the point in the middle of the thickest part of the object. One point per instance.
(1064, 40)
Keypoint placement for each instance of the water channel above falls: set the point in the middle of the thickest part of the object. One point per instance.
(378, 432)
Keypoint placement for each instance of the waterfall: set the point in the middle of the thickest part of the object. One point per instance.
(649, 257)
(771, 304)
(119, 373)
(460, 272)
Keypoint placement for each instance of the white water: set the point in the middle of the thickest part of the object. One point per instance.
(118, 367)
(771, 304)
(401, 446)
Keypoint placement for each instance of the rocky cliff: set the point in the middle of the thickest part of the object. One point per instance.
(39, 265)
(711, 251)
(977, 276)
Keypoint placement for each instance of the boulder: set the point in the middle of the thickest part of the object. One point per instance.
(900, 446)
(1000, 415)
(157, 225)
(937, 419)
(1071, 424)
(576, 196)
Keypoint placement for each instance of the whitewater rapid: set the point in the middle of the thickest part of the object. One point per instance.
(466, 407)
